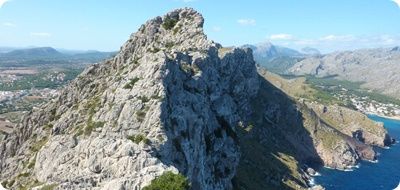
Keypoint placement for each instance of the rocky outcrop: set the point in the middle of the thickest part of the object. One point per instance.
(169, 100)
(340, 136)
(353, 124)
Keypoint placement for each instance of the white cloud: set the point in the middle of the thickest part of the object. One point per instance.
(40, 34)
(2, 2)
(332, 42)
(247, 22)
(397, 2)
(337, 38)
(281, 37)
(217, 29)
(9, 24)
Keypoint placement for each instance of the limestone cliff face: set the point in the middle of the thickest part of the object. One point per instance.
(169, 101)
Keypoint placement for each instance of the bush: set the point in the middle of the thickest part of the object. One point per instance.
(169, 23)
(153, 50)
(169, 181)
(169, 45)
(49, 187)
(4, 184)
(131, 83)
(138, 138)
(144, 99)
(35, 147)
(92, 125)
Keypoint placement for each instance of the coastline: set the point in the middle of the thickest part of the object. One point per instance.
(396, 118)
(384, 167)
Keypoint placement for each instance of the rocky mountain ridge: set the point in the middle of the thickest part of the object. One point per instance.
(276, 58)
(375, 68)
(167, 101)
(172, 100)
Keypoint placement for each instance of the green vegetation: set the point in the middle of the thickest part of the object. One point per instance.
(11, 183)
(40, 80)
(49, 187)
(169, 23)
(169, 181)
(14, 117)
(140, 115)
(91, 126)
(30, 185)
(138, 138)
(330, 86)
(131, 83)
(4, 183)
(323, 97)
(169, 45)
(156, 97)
(91, 106)
(144, 99)
(177, 29)
(48, 126)
(38, 145)
(329, 139)
(31, 165)
(23, 175)
(153, 50)
(330, 81)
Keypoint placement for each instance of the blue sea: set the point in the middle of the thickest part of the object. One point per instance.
(385, 174)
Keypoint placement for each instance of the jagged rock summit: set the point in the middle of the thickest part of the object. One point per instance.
(168, 101)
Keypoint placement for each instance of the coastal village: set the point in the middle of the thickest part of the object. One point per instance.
(370, 106)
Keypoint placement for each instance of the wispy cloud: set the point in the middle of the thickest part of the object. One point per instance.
(342, 38)
(9, 24)
(281, 37)
(40, 34)
(397, 2)
(246, 22)
(336, 42)
(2, 2)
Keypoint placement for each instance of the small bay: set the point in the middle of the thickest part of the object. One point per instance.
(385, 174)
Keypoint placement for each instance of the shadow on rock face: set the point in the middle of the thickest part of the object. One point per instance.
(275, 145)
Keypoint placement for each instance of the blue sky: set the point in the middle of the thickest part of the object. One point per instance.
(104, 24)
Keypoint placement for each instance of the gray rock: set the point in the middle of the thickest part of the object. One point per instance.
(377, 68)
(170, 86)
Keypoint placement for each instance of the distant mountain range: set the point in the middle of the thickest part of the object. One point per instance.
(42, 52)
(48, 55)
(378, 69)
(279, 59)
(375, 69)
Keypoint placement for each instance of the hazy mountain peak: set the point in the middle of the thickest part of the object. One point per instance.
(40, 51)
(310, 51)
